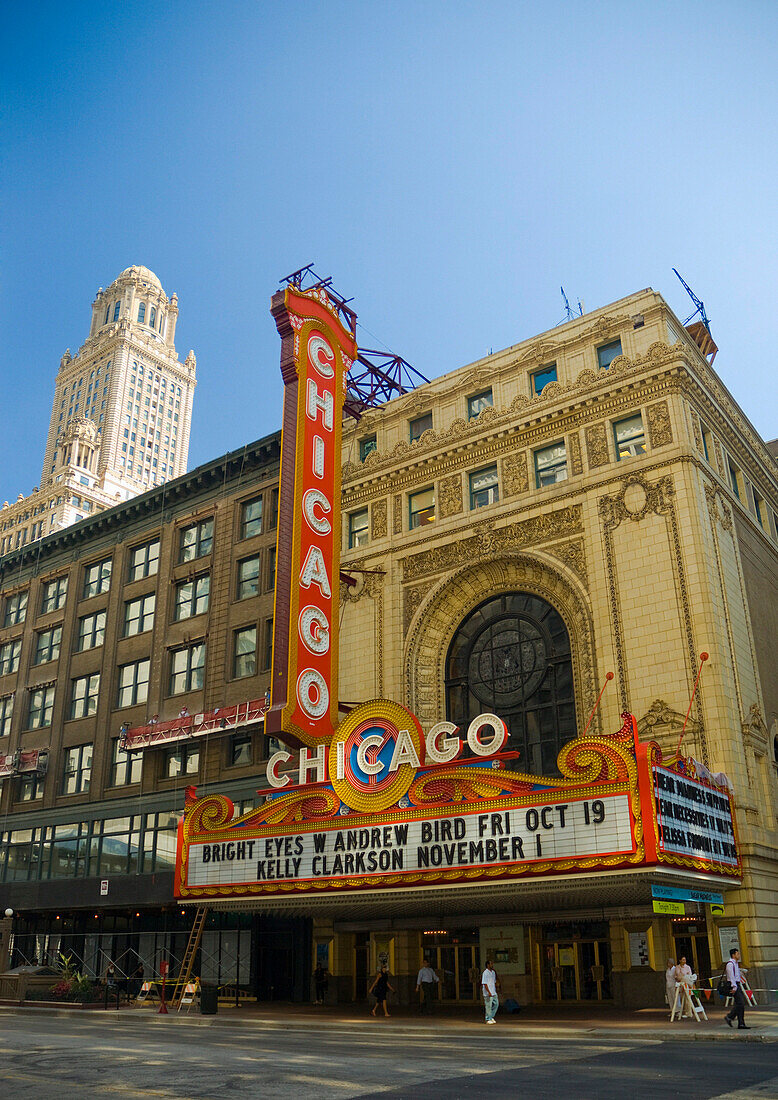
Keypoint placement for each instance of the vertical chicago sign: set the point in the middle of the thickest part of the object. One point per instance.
(316, 354)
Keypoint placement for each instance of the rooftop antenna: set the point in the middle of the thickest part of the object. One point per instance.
(570, 314)
(704, 341)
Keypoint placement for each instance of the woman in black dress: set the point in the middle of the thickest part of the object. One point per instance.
(379, 989)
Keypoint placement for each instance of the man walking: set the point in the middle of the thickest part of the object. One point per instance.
(489, 990)
(426, 982)
(736, 983)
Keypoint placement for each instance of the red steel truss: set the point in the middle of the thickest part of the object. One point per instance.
(187, 726)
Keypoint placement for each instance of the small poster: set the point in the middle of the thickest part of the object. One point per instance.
(728, 938)
(103, 887)
(638, 949)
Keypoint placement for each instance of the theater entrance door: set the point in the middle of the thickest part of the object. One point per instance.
(576, 970)
(454, 958)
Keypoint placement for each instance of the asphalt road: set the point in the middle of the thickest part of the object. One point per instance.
(116, 1056)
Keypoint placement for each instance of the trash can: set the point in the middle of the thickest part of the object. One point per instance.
(209, 1000)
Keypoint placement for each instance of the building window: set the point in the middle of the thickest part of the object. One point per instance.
(6, 714)
(477, 403)
(511, 656)
(550, 465)
(126, 767)
(271, 569)
(41, 707)
(761, 511)
(735, 479)
(133, 683)
(629, 437)
(421, 508)
(240, 749)
(141, 313)
(187, 669)
(15, 609)
(83, 695)
(116, 307)
(484, 488)
(196, 541)
(606, 353)
(97, 578)
(367, 445)
(139, 615)
(358, 534)
(267, 658)
(192, 597)
(707, 443)
(47, 645)
(245, 652)
(9, 656)
(539, 379)
(152, 317)
(54, 594)
(144, 560)
(248, 577)
(419, 426)
(91, 631)
(77, 769)
(30, 788)
(272, 519)
(251, 518)
(183, 761)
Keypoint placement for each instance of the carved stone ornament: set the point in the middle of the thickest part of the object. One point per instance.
(378, 519)
(450, 495)
(539, 353)
(660, 430)
(573, 554)
(515, 478)
(574, 445)
(486, 542)
(412, 598)
(636, 500)
(596, 446)
(398, 514)
(663, 724)
(755, 732)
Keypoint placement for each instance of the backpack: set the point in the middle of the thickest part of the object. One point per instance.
(724, 987)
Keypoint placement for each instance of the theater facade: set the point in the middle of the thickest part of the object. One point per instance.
(558, 593)
(491, 597)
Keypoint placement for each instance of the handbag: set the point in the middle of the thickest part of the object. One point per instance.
(724, 987)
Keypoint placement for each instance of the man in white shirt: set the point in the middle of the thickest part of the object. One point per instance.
(426, 982)
(735, 979)
(489, 990)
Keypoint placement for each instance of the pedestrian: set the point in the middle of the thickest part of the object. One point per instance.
(426, 981)
(489, 990)
(321, 982)
(670, 984)
(379, 990)
(685, 977)
(735, 979)
(110, 976)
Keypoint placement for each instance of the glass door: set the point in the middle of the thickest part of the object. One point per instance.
(456, 966)
(576, 971)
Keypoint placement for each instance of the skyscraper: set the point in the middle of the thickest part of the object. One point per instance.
(121, 414)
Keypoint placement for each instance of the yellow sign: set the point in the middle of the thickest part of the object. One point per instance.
(716, 910)
(673, 908)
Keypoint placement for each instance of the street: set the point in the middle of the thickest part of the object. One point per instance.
(70, 1058)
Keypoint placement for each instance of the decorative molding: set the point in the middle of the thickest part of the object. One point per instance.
(450, 496)
(596, 446)
(412, 597)
(663, 724)
(378, 520)
(660, 430)
(755, 733)
(515, 478)
(398, 514)
(487, 541)
(576, 462)
(573, 554)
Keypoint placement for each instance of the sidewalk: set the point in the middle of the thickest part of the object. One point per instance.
(537, 1021)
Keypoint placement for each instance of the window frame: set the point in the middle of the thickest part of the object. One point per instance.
(551, 466)
(9, 662)
(6, 712)
(84, 706)
(81, 635)
(414, 430)
(82, 771)
(201, 540)
(413, 513)
(120, 759)
(473, 412)
(246, 520)
(145, 563)
(354, 533)
(47, 651)
(186, 754)
(241, 581)
(42, 712)
(641, 438)
(189, 607)
(606, 347)
(536, 374)
(16, 608)
(136, 685)
(143, 615)
(54, 594)
(189, 672)
(241, 741)
(495, 485)
(103, 579)
(237, 657)
(367, 445)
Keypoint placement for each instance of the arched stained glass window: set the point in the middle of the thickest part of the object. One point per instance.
(511, 656)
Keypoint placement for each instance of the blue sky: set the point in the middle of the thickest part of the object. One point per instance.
(449, 164)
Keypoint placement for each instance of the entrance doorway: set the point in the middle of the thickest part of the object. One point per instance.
(454, 958)
(576, 970)
(691, 941)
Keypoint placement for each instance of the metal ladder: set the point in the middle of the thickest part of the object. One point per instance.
(187, 963)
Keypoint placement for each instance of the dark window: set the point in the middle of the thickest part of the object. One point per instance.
(83, 695)
(77, 769)
(248, 577)
(271, 568)
(41, 707)
(245, 652)
(539, 379)
(477, 403)
(141, 313)
(30, 788)
(240, 749)
(606, 353)
(192, 597)
(116, 307)
(6, 714)
(9, 656)
(187, 669)
(196, 541)
(251, 518)
(366, 446)
(97, 578)
(272, 519)
(419, 426)
(268, 654)
(15, 609)
(511, 657)
(126, 767)
(144, 560)
(54, 594)
(183, 761)
(47, 645)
